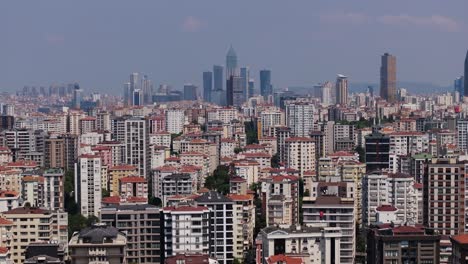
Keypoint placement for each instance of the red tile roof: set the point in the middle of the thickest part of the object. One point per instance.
(240, 197)
(185, 208)
(123, 167)
(284, 259)
(3, 250)
(133, 179)
(461, 239)
(386, 208)
(4, 221)
(299, 139)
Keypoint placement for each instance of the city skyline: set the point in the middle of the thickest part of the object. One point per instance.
(45, 52)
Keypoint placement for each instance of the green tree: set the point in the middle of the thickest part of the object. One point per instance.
(105, 193)
(154, 201)
(251, 132)
(219, 180)
(238, 150)
(362, 153)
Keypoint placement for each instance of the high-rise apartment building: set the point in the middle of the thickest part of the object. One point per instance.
(377, 151)
(88, 186)
(207, 85)
(300, 153)
(300, 118)
(462, 137)
(222, 226)
(54, 189)
(141, 224)
(388, 79)
(444, 196)
(341, 90)
(137, 149)
(175, 120)
(266, 89)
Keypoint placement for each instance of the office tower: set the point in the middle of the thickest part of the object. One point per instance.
(134, 80)
(190, 92)
(141, 223)
(244, 74)
(33, 224)
(137, 98)
(137, 152)
(222, 239)
(218, 79)
(341, 90)
(466, 76)
(370, 91)
(127, 91)
(300, 118)
(235, 94)
(266, 89)
(88, 186)
(77, 94)
(300, 153)
(6, 122)
(402, 244)
(377, 151)
(147, 90)
(444, 196)
(207, 85)
(458, 85)
(231, 63)
(251, 88)
(388, 78)
(333, 204)
(54, 189)
(175, 120)
(98, 244)
(326, 95)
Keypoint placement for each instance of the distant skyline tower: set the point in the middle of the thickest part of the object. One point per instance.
(147, 89)
(127, 94)
(137, 97)
(207, 85)
(218, 80)
(266, 88)
(231, 63)
(466, 75)
(190, 92)
(388, 78)
(251, 88)
(244, 74)
(458, 85)
(77, 96)
(341, 90)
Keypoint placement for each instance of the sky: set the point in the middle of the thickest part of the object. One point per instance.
(99, 43)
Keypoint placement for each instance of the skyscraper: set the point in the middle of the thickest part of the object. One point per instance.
(244, 74)
(388, 78)
(137, 97)
(466, 75)
(127, 94)
(218, 79)
(147, 89)
(265, 83)
(77, 96)
(251, 88)
(458, 85)
(235, 95)
(341, 90)
(207, 85)
(231, 63)
(137, 152)
(190, 92)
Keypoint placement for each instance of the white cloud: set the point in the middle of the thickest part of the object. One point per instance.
(191, 24)
(435, 21)
(345, 18)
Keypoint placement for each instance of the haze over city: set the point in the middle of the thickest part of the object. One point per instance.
(97, 43)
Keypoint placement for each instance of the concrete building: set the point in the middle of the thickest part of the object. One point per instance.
(280, 199)
(137, 150)
(98, 244)
(300, 118)
(141, 224)
(54, 189)
(459, 249)
(175, 120)
(377, 151)
(245, 221)
(300, 153)
(388, 78)
(311, 244)
(222, 226)
(185, 229)
(341, 90)
(334, 205)
(402, 244)
(31, 224)
(88, 186)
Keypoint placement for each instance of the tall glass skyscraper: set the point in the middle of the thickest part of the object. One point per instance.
(458, 85)
(341, 90)
(244, 74)
(266, 88)
(231, 63)
(251, 88)
(388, 78)
(207, 85)
(218, 77)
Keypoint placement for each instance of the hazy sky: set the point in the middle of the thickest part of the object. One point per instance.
(99, 43)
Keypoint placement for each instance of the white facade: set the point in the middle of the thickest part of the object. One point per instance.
(175, 119)
(137, 149)
(300, 118)
(300, 154)
(88, 186)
